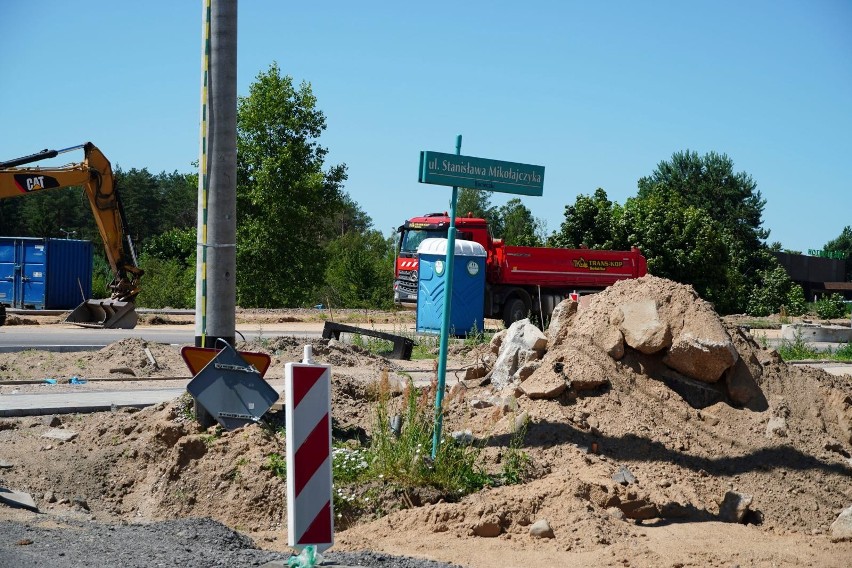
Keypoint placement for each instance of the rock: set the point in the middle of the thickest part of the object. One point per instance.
(841, 528)
(80, 502)
(615, 513)
(487, 529)
(544, 383)
(60, 434)
(623, 476)
(476, 371)
(639, 509)
(457, 391)
(526, 371)
(462, 436)
(541, 529)
(50, 497)
(51, 421)
(641, 327)
(582, 371)
(702, 350)
(776, 427)
(17, 499)
(521, 336)
(5, 465)
(734, 507)
(480, 403)
(611, 342)
(497, 341)
(561, 317)
(742, 387)
(697, 394)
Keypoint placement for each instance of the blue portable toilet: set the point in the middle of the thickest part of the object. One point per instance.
(468, 297)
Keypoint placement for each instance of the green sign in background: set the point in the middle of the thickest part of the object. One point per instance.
(479, 173)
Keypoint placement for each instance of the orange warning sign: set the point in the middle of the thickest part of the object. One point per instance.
(196, 358)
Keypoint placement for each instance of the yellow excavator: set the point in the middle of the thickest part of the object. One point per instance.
(95, 176)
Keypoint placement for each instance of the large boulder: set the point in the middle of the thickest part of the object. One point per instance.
(522, 343)
(561, 318)
(641, 327)
(703, 349)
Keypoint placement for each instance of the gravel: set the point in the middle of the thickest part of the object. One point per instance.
(188, 543)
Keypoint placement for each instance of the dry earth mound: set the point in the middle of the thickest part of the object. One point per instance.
(646, 408)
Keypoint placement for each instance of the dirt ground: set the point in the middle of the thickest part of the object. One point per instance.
(158, 464)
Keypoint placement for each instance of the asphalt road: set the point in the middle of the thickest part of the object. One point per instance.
(65, 337)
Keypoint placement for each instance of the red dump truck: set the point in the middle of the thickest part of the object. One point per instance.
(520, 281)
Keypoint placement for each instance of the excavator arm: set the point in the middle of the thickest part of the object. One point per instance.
(94, 174)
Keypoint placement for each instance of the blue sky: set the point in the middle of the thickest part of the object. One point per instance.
(597, 92)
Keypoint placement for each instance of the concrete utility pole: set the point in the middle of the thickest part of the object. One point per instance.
(215, 295)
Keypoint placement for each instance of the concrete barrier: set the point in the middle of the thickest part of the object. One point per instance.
(816, 332)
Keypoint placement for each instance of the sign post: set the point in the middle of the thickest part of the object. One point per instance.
(476, 173)
(445, 317)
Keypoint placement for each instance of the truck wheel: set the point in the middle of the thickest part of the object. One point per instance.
(514, 310)
(2, 314)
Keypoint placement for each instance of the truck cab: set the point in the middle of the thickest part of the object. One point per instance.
(413, 232)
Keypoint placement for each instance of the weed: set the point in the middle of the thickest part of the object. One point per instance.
(235, 473)
(830, 307)
(348, 464)
(844, 353)
(210, 438)
(405, 458)
(516, 462)
(277, 464)
(372, 344)
(476, 337)
(762, 339)
(425, 347)
(797, 349)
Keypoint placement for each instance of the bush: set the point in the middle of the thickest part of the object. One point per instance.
(770, 293)
(830, 307)
(796, 304)
(166, 284)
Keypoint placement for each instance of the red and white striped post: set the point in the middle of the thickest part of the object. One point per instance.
(310, 514)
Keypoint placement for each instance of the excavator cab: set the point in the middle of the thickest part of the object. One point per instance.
(95, 175)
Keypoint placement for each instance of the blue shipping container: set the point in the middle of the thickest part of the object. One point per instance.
(50, 274)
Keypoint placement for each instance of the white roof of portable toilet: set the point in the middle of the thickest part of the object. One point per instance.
(463, 248)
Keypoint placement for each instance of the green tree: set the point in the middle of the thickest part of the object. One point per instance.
(519, 225)
(477, 203)
(708, 183)
(57, 213)
(360, 271)
(588, 222)
(140, 195)
(772, 292)
(681, 242)
(284, 197)
(843, 246)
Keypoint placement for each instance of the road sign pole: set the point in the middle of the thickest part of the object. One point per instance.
(445, 320)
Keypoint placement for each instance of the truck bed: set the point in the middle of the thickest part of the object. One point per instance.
(556, 267)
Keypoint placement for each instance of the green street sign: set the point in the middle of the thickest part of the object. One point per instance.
(479, 173)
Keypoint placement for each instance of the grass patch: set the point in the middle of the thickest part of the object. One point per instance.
(798, 350)
(395, 469)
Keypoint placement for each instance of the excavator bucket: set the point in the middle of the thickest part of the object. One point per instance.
(108, 314)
